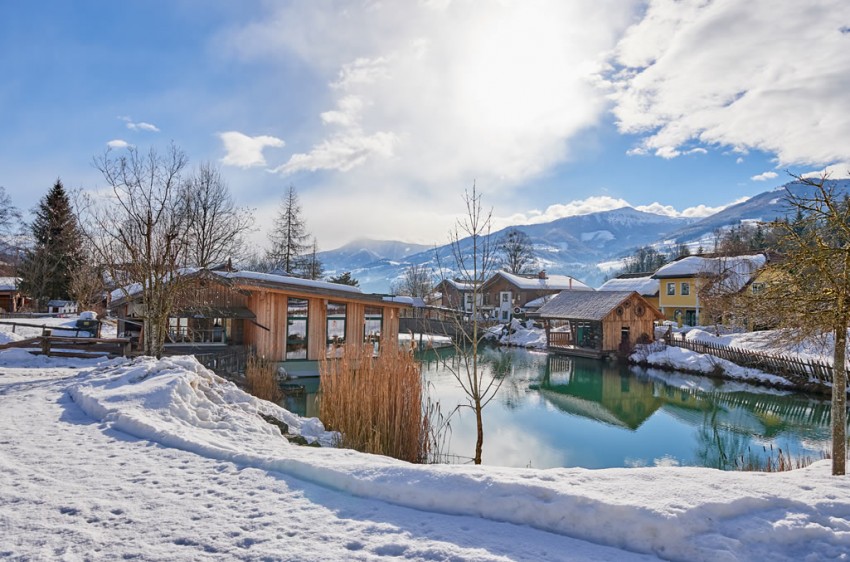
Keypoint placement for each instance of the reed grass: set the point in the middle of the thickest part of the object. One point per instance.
(376, 403)
(775, 461)
(261, 378)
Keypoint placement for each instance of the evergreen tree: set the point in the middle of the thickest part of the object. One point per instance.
(289, 236)
(48, 265)
(345, 279)
(310, 266)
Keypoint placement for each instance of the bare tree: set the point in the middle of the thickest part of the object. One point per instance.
(9, 218)
(217, 227)
(474, 260)
(517, 252)
(288, 236)
(416, 281)
(811, 292)
(140, 232)
(86, 287)
(309, 265)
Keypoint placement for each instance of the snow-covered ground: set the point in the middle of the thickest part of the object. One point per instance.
(520, 334)
(163, 460)
(33, 327)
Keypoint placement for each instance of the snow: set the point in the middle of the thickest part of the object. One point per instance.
(9, 283)
(597, 236)
(59, 325)
(164, 460)
(551, 282)
(737, 269)
(286, 280)
(520, 334)
(641, 285)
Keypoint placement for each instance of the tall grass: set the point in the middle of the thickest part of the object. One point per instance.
(775, 461)
(261, 378)
(376, 403)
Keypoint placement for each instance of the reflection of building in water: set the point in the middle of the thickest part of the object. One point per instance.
(617, 397)
(612, 397)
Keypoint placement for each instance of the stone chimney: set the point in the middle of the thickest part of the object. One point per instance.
(542, 274)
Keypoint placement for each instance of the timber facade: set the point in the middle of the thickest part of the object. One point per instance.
(598, 323)
(281, 318)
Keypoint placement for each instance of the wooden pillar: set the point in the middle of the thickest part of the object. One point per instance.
(390, 335)
(317, 328)
(355, 318)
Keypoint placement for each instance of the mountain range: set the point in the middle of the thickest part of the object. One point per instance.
(585, 246)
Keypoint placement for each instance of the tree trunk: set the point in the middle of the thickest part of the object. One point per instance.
(479, 442)
(839, 400)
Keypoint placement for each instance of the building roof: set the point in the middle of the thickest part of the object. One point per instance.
(646, 286)
(9, 283)
(459, 285)
(736, 270)
(415, 302)
(549, 283)
(58, 302)
(583, 305)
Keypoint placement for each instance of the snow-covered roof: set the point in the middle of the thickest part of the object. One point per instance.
(646, 286)
(460, 285)
(550, 282)
(692, 266)
(58, 302)
(9, 283)
(537, 303)
(417, 302)
(287, 280)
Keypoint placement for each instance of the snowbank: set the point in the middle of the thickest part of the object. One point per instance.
(677, 513)
(520, 334)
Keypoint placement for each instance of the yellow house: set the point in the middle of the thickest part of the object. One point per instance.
(682, 281)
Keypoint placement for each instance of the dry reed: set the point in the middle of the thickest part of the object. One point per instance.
(376, 402)
(261, 378)
(775, 461)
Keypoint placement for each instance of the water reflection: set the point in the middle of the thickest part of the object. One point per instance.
(556, 411)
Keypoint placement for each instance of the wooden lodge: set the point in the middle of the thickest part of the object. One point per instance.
(11, 299)
(598, 323)
(281, 318)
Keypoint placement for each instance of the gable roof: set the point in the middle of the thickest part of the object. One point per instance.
(458, 285)
(646, 286)
(737, 270)
(9, 283)
(583, 305)
(550, 283)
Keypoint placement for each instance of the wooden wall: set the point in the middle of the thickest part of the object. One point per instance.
(625, 316)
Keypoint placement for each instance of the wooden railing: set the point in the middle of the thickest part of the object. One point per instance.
(808, 374)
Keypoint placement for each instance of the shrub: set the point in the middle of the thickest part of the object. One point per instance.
(261, 377)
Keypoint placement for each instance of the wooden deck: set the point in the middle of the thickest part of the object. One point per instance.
(577, 351)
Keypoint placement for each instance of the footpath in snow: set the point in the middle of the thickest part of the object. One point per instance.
(163, 457)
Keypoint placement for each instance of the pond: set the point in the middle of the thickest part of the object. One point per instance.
(556, 411)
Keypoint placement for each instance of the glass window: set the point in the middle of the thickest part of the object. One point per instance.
(336, 324)
(373, 324)
(505, 297)
(686, 288)
(296, 329)
(671, 289)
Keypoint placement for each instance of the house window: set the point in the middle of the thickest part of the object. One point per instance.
(374, 321)
(686, 289)
(505, 297)
(758, 288)
(671, 289)
(296, 329)
(336, 325)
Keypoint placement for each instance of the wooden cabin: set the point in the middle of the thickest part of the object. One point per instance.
(280, 317)
(506, 294)
(598, 323)
(11, 299)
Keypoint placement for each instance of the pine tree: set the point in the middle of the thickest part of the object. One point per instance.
(48, 265)
(344, 279)
(310, 266)
(289, 235)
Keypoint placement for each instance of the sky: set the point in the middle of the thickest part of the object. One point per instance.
(382, 114)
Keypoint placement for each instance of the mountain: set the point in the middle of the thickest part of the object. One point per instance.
(764, 207)
(570, 245)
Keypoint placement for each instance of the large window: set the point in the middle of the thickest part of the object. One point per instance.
(686, 289)
(373, 325)
(296, 329)
(671, 289)
(336, 325)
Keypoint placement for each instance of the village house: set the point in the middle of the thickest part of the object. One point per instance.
(682, 281)
(456, 295)
(282, 318)
(641, 283)
(58, 306)
(11, 300)
(506, 294)
(598, 323)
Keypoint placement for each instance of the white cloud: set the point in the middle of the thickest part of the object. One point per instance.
(244, 151)
(117, 143)
(427, 96)
(739, 160)
(834, 171)
(142, 126)
(764, 176)
(749, 74)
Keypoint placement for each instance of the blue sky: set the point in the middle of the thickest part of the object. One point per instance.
(382, 113)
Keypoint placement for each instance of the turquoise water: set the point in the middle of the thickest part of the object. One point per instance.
(554, 411)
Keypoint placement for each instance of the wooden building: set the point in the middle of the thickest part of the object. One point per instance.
(457, 295)
(11, 300)
(598, 323)
(506, 294)
(282, 318)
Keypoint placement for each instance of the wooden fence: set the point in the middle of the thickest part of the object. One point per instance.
(63, 346)
(808, 374)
